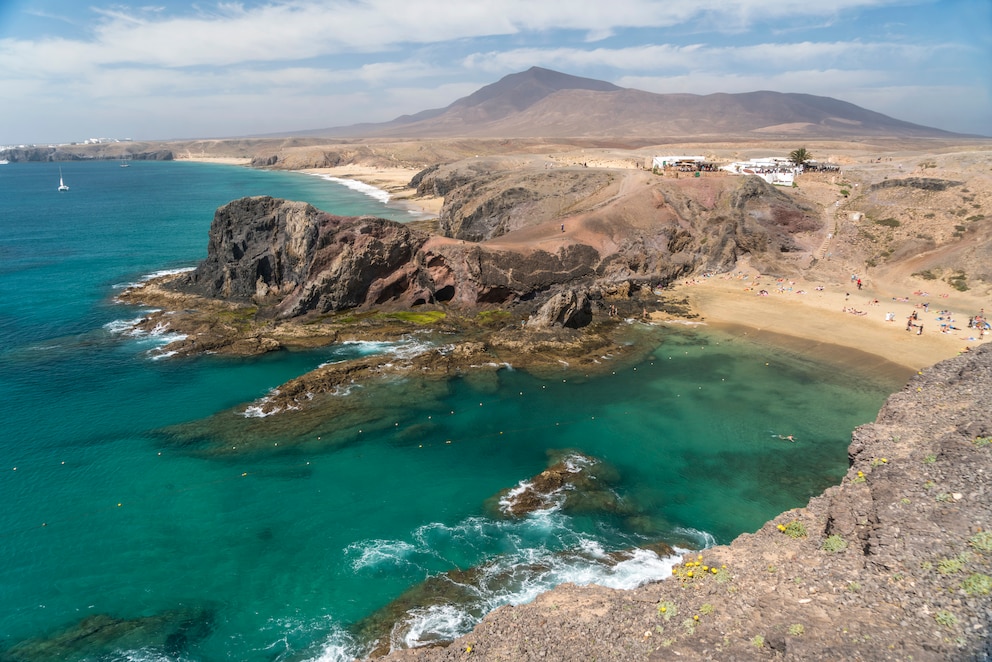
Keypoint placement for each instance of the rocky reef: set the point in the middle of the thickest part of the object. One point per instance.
(894, 563)
(102, 637)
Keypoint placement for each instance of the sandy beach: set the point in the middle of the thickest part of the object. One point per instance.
(393, 181)
(831, 316)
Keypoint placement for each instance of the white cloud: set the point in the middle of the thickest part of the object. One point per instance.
(371, 60)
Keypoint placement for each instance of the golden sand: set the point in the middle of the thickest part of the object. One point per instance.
(818, 314)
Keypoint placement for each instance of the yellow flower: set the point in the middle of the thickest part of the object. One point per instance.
(695, 617)
(781, 527)
(705, 568)
(663, 609)
(714, 570)
(689, 574)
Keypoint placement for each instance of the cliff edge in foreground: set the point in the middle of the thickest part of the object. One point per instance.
(895, 563)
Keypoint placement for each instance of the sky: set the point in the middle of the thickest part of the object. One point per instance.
(71, 70)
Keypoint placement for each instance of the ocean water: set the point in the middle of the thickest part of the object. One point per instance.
(122, 501)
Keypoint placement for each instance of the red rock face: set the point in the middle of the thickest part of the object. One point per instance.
(296, 259)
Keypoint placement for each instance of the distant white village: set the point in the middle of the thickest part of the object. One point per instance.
(88, 141)
(776, 170)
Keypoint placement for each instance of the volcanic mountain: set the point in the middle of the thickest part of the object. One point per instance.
(540, 103)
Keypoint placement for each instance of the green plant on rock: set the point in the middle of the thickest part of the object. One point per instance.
(757, 641)
(667, 609)
(797, 629)
(977, 584)
(706, 609)
(493, 317)
(953, 565)
(981, 541)
(833, 544)
(423, 318)
(945, 618)
(982, 442)
(794, 529)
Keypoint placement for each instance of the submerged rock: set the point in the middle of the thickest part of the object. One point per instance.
(101, 636)
(573, 482)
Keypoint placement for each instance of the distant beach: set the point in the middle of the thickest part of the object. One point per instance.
(394, 181)
(840, 314)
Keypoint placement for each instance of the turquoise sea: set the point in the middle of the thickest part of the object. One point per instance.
(276, 555)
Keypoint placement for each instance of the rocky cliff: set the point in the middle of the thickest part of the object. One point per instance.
(292, 259)
(894, 563)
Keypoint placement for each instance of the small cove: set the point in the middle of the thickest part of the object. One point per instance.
(280, 552)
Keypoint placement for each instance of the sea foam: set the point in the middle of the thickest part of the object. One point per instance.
(355, 185)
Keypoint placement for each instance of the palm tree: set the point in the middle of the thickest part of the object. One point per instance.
(800, 156)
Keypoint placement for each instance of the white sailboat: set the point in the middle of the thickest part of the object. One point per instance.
(62, 186)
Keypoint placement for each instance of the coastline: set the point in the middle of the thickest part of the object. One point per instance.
(393, 181)
(837, 315)
(222, 160)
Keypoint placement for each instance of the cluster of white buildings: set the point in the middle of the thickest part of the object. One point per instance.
(773, 169)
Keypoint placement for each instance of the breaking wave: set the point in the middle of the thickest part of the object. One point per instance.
(541, 551)
(355, 185)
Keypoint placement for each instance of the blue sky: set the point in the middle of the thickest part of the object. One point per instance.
(77, 69)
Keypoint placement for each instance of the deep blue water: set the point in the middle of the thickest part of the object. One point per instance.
(273, 555)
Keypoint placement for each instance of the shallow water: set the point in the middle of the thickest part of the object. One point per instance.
(118, 500)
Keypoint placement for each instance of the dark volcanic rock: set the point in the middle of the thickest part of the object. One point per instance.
(169, 634)
(297, 259)
(922, 183)
(573, 482)
(292, 259)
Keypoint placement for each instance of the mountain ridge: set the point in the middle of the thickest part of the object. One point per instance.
(544, 103)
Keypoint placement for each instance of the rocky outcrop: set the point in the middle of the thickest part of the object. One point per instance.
(922, 183)
(894, 563)
(573, 482)
(568, 308)
(292, 259)
(486, 199)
